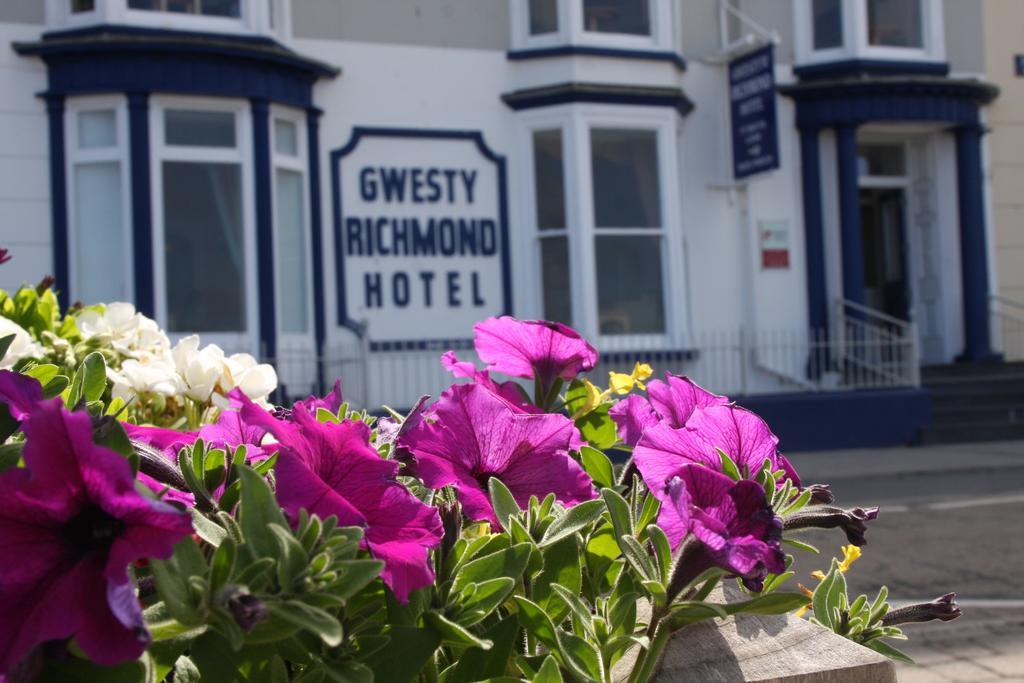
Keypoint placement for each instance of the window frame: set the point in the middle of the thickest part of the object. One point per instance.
(855, 43)
(663, 37)
(300, 165)
(576, 121)
(75, 156)
(242, 154)
(266, 17)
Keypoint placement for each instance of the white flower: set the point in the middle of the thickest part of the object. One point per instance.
(200, 369)
(256, 380)
(131, 333)
(22, 346)
(150, 375)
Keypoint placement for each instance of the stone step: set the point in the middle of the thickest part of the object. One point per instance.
(966, 431)
(954, 370)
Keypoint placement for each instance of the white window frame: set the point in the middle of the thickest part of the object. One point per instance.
(664, 17)
(267, 17)
(75, 156)
(300, 165)
(245, 340)
(855, 36)
(576, 121)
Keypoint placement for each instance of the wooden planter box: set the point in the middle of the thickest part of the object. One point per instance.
(773, 649)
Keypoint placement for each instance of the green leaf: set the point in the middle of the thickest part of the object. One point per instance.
(801, 545)
(638, 558)
(889, 651)
(576, 605)
(820, 601)
(618, 511)
(485, 599)
(223, 563)
(406, 654)
(773, 603)
(312, 619)
(43, 373)
(729, 466)
(662, 551)
(292, 560)
(510, 562)
(476, 663)
(10, 455)
(573, 520)
(257, 511)
(580, 656)
(657, 591)
(74, 670)
(208, 530)
(598, 428)
(548, 672)
(355, 575)
(185, 671)
(215, 659)
(537, 622)
(598, 466)
(172, 576)
(94, 376)
(562, 567)
(349, 671)
(690, 612)
(452, 633)
(504, 503)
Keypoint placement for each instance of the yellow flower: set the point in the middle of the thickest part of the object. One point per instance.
(621, 383)
(850, 555)
(593, 398)
(477, 530)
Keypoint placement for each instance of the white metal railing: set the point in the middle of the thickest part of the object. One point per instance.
(1007, 318)
(865, 349)
(876, 349)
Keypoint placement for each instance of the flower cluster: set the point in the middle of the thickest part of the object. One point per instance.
(483, 533)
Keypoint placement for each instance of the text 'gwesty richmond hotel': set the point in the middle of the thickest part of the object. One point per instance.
(786, 199)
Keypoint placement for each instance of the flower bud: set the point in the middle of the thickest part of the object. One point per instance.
(246, 609)
(853, 521)
(821, 494)
(943, 609)
(451, 521)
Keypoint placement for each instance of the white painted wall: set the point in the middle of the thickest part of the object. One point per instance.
(24, 162)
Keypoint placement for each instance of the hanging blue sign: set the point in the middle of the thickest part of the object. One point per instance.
(755, 131)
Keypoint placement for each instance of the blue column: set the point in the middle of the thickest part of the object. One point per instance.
(316, 224)
(814, 233)
(973, 246)
(264, 227)
(849, 214)
(142, 201)
(58, 196)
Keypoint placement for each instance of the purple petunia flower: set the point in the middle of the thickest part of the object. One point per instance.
(739, 433)
(533, 349)
(71, 522)
(331, 469)
(671, 401)
(330, 402)
(510, 391)
(476, 435)
(20, 393)
(731, 524)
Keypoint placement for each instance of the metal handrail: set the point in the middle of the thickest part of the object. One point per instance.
(1006, 301)
(874, 313)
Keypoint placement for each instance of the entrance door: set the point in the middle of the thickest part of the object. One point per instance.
(886, 287)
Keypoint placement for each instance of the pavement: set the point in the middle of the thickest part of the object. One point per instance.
(951, 519)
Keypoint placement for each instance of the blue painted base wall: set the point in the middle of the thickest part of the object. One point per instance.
(855, 419)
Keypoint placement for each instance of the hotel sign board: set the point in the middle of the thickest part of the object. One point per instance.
(755, 131)
(421, 235)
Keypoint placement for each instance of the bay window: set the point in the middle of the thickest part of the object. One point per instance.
(202, 219)
(833, 30)
(99, 240)
(291, 235)
(269, 17)
(603, 197)
(609, 24)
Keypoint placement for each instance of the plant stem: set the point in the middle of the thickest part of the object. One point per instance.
(648, 659)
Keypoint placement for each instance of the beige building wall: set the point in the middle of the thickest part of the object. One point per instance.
(1004, 38)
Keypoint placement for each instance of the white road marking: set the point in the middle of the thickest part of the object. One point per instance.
(887, 508)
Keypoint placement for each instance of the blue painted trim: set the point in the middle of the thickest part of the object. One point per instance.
(177, 63)
(849, 214)
(142, 204)
(627, 358)
(598, 93)
(58, 197)
(263, 191)
(589, 51)
(316, 227)
(871, 67)
(827, 104)
(475, 136)
(973, 244)
(814, 230)
(848, 419)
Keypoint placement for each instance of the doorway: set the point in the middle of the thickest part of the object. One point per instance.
(883, 239)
